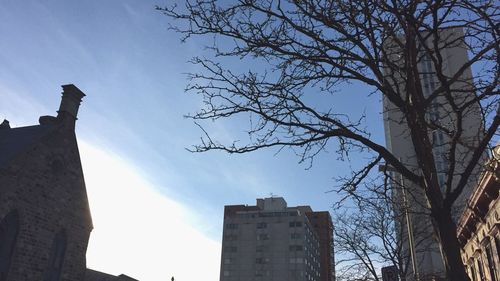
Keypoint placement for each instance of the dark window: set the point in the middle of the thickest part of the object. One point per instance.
(264, 236)
(56, 259)
(472, 272)
(480, 269)
(9, 228)
(497, 243)
(296, 248)
(230, 249)
(232, 226)
(295, 224)
(491, 264)
(231, 237)
(262, 225)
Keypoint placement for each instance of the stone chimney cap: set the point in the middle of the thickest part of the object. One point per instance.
(72, 89)
(70, 102)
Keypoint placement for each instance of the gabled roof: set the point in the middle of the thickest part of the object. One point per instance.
(14, 141)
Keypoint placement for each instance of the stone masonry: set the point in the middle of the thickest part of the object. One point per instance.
(45, 220)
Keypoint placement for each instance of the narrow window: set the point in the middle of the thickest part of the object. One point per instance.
(491, 264)
(480, 269)
(473, 272)
(56, 258)
(9, 228)
(497, 244)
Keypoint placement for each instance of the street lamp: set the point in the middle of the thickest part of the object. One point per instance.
(409, 225)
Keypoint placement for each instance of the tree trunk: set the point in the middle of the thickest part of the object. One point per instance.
(450, 247)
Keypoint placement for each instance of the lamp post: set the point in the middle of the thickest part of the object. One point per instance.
(409, 225)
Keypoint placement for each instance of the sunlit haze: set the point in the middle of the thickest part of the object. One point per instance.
(136, 230)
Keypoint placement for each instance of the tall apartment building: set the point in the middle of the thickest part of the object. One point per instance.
(428, 257)
(270, 241)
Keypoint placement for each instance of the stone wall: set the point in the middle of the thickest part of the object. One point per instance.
(45, 185)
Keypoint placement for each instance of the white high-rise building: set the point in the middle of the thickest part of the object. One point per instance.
(270, 241)
(427, 255)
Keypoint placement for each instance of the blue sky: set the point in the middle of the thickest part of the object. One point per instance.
(133, 135)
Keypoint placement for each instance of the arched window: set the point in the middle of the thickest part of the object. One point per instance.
(56, 259)
(9, 227)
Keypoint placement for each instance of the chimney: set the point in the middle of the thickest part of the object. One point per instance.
(70, 102)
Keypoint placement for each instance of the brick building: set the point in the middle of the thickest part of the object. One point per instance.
(270, 241)
(322, 224)
(45, 220)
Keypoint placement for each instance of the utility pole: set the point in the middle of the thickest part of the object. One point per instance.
(411, 238)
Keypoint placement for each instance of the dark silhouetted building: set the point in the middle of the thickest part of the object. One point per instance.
(45, 220)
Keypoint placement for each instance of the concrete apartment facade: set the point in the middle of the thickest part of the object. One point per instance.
(429, 263)
(270, 241)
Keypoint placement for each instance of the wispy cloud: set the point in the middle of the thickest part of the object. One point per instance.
(18, 107)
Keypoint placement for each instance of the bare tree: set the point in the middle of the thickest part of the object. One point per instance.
(367, 237)
(368, 232)
(315, 46)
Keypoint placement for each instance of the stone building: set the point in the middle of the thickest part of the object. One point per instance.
(479, 226)
(45, 220)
